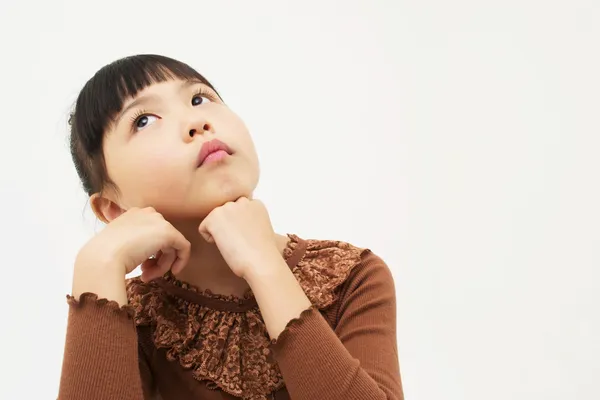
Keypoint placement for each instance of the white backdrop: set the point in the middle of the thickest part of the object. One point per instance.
(459, 140)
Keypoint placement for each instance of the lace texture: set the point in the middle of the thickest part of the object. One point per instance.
(231, 349)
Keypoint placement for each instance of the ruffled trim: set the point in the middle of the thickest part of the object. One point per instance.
(232, 350)
(325, 265)
(229, 350)
(292, 324)
(207, 293)
(88, 297)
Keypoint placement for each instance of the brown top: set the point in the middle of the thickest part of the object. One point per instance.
(174, 341)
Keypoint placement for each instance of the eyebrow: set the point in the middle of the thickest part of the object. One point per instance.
(150, 98)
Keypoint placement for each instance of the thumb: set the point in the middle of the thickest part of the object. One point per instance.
(205, 233)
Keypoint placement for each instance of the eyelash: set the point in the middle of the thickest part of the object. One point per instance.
(135, 117)
(142, 113)
(204, 92)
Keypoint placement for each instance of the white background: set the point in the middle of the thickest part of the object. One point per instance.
(457, 139)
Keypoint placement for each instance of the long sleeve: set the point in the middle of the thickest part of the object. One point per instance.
(101, 359)
(359, 360)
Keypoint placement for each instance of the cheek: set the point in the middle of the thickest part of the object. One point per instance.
(149, 169)
(242, 138)
(155, 160)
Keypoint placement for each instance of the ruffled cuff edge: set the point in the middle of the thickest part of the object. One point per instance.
(292, 326)
(92, 298)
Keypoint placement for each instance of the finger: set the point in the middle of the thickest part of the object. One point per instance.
(166, 261)
(148, 268)
(207, 236)
(155, 269)
(203, 230)
(157, 255)
(148, 264)
(179, 264)
(154, 257)
(182, 249)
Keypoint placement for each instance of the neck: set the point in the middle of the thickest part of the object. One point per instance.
(207, 269)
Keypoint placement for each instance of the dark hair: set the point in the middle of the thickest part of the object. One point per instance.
(102, 97)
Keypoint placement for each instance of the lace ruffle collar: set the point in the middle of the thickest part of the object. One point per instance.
(223, 339)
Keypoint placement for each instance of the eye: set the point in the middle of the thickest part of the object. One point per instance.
(199, 99)
(143, 121)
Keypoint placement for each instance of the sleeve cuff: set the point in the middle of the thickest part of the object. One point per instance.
(293, 327)
(303, 338)
(89, 302)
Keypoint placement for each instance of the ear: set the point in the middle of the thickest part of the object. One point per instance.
(106, 210)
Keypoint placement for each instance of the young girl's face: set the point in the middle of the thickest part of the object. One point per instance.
(152, 151)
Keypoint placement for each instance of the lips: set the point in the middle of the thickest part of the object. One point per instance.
(211, 147)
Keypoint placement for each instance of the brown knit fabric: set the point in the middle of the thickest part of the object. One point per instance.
(229, 347)
(195, 344)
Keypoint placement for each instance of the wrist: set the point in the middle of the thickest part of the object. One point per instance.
(104, 278)
(90, 261)
(279, 295)
(268, 269)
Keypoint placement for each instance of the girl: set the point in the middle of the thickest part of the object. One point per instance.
(171, 170)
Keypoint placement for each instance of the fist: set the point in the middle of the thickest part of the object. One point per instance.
(243, 233)
(131, 240)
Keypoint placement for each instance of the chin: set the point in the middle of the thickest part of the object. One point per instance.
(231, 194)
(199, 203)
(230, 188)
(205, 204)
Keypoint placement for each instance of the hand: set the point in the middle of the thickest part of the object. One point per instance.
(132, 238)
(243, 233)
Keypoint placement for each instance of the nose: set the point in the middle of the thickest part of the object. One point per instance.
(198, 126)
